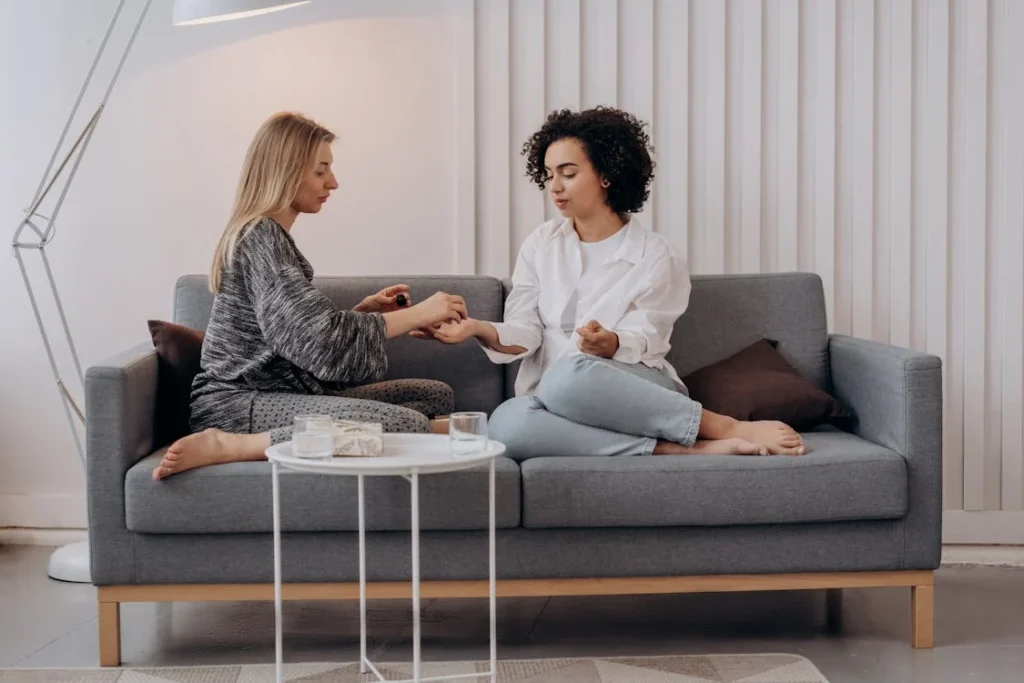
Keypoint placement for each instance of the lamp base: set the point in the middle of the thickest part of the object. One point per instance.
(71, 563)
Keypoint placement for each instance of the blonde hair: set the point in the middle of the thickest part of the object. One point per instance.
(282, 149)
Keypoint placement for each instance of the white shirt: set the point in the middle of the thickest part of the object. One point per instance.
(638, 293)
(593, 255)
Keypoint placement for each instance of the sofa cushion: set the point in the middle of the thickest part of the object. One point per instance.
(478, 384)
(178, 350)
(728, 313)
(236, 498)
(759, 384)
(843, 477)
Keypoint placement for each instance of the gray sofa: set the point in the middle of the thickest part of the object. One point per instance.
(862, 509)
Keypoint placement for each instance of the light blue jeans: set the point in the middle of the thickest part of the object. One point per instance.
(586, 405)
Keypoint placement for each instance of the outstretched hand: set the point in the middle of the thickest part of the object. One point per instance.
(385, 301)
(597, 341)
(448, 333)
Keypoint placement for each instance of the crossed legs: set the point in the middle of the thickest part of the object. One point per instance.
(399, 405)
(592, 406)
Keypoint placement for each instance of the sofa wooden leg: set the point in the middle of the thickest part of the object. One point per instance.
(110, 633)
(923, 616)
(834, 610)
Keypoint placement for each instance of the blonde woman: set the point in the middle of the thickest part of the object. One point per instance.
(275, 345)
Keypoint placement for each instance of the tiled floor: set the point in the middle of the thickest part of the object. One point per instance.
(979, 627)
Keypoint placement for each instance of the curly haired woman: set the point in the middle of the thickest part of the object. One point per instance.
(594, 299)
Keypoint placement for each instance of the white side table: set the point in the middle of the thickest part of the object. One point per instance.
(407, 456)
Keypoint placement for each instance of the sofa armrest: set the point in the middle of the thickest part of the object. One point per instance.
(895, 395)
(120, 404)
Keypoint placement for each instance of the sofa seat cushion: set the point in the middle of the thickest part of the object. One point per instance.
(237, 498)
(843, 477)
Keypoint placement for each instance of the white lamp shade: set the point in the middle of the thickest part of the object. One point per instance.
(189, 12)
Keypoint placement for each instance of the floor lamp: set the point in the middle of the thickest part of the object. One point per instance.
(36, 231)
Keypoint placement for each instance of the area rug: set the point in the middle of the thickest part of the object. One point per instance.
(745, 668)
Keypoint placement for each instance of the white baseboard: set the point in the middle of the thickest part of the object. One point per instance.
(982, 556)
(989, 527)
(43, 511)
(49, 537)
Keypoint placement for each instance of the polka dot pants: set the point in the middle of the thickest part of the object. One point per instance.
(402, 405)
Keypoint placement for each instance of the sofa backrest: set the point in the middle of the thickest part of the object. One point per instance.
(478, 384)
(727, 313)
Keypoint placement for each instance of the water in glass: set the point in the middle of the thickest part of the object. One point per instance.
(313, 437)
(467, 433)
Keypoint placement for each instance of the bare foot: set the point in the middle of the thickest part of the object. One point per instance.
(731, 446)
(210, 447)
(778, 437)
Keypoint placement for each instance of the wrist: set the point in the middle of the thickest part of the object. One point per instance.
(417, 316)
(400, 322)
(485, 332)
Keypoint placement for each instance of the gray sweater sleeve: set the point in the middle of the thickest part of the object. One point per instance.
(301, 324)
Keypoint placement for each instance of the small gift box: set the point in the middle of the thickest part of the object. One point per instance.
(353, 438)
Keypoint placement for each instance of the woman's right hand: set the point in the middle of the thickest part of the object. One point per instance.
(457, 332)
(450, 332)
(440, 308)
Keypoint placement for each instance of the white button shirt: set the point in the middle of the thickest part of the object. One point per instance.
(642, 290)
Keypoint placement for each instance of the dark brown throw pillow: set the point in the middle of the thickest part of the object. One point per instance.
(759, 384)
(178, 349)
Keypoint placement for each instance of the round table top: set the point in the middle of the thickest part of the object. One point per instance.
(403, 454)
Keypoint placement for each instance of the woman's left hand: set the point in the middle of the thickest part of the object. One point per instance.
(597, 341)
(385, 301)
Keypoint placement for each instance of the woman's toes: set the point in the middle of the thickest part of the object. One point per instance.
(787, 430)
(168, 464)
(744, 447)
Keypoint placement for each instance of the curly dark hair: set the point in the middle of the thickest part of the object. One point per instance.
(616, 143)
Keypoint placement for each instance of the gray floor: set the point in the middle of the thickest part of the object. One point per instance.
(979, 627)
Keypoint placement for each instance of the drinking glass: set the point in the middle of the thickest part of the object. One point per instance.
(313, 437)
(467, 433)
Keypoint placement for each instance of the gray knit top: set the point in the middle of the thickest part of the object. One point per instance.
(271, 330)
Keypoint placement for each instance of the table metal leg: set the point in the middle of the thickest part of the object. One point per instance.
(362, 579)
(415, 504)
(365, 664)
(493, 572)
(277, 572)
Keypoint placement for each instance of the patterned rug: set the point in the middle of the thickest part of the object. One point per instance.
(746, 668)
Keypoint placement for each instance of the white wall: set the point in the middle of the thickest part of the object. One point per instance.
(874, 142)
(877, 143)
(156, 185)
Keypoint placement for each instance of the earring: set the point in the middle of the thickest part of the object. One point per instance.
(605, 183)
